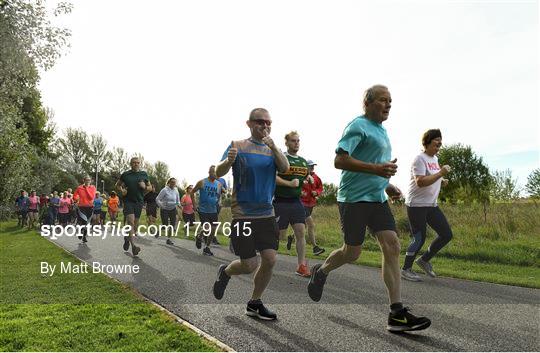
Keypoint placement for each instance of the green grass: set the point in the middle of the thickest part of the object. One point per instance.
(75, 312)
(504, 249)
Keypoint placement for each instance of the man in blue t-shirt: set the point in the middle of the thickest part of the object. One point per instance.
(21, 205)
(209, 189)
(364, 154)
(254, 162)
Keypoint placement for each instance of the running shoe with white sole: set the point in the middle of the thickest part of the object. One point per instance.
(426, 267)
(403, 320)
(303, 271)
(317, 250)
(170, 242)
(257, 309)
(135, 250)
(207, 252)
(410, 275)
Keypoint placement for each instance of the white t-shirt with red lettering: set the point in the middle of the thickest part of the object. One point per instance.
(425, 196)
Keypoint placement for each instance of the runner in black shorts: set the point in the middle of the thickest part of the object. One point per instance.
(364, 154)
(151, 206)
(255, 162)
(287, 205)
(132, 185)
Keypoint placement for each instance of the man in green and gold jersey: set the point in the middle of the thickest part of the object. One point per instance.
(287, 204)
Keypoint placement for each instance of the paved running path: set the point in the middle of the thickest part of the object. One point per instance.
(466, 315)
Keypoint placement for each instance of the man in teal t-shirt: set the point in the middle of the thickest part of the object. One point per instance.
(364, 153)
(287, 204)
(132, 186)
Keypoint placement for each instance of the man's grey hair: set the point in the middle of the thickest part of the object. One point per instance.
(370, 94)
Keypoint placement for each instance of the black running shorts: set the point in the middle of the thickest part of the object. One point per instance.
(355, 217)
(289, 211)
(134, 208)
(251, 235)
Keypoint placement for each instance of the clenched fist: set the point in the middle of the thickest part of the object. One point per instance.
(387, 170)
(295, 183)
(445, 170)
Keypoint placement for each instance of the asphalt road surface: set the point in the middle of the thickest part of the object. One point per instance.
(351, 316)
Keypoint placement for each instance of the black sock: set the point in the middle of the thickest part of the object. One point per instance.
(396, 307)
(255, 302)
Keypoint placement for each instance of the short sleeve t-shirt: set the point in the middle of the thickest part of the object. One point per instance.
(298, 169)
(188, 207)
(426, 196)
(131, 180)
(113, 203)
(254, 180)
(33, 202)
(97, 203)
(367, 141)
(64, 205)
(22, 202)
(208, 196)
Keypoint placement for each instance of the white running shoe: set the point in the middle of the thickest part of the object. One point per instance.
(426, 267)
(410, 275)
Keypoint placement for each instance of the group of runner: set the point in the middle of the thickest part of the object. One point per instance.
(273, 190)
(364, 155)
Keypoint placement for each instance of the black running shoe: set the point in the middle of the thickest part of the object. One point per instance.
(135, 250)
(198, 241)
(126, 243)
(403, 320)
(258, 310)
(206, 251)
(316, 283)
(84, 240)
(221, 282)
(290, 239)
(317, 250)
(170, 242)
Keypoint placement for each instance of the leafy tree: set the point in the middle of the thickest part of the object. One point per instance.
(469, 180)
(73, 151)
(98, 157)
(161, 174)
(533, 184)
(28, 42)
(119, 162)
(503, 186)
(329, 194)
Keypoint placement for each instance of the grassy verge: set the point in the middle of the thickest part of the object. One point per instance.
(75, 312)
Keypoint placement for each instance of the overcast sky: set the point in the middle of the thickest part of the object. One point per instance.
(176, 80)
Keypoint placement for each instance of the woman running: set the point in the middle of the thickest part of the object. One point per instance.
(167, 200)
(98, 202)
(188, 214)
(33, 209)
(64, 209)
(422, 209)
(113, 203)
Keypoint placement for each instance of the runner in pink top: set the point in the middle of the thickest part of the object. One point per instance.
(188, 214)
(64, 209)
(33, 206)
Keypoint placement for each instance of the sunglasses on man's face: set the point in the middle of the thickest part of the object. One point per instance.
(262, 122)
